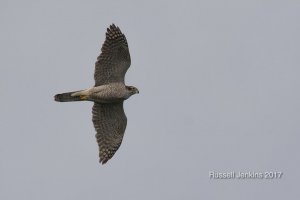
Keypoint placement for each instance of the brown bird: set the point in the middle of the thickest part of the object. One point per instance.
(108, 94)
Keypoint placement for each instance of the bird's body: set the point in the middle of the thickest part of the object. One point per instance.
(108, 94)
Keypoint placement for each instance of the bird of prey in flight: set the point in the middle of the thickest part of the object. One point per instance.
(108, 94)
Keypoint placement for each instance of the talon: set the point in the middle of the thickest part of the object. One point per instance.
(83, 97)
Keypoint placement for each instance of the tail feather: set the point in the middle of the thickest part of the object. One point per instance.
(66, 97)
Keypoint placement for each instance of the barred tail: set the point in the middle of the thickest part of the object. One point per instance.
(65, 97)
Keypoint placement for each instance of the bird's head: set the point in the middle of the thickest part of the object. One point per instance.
(132, 90)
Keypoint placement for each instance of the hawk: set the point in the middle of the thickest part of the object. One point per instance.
(108, 94)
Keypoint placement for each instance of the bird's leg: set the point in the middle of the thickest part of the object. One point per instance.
(83, 97)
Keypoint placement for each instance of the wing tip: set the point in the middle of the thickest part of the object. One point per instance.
(103, 161)
(113, 28)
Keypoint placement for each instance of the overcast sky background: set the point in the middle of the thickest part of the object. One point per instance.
(219, 90)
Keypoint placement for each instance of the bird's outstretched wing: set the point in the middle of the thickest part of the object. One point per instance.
(114, 59)
(110, 123)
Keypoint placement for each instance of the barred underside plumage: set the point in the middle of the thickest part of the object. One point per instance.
(114, 60)
(110, 123)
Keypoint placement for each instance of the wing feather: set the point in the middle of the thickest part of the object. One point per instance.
(110, 123)
(114, 60)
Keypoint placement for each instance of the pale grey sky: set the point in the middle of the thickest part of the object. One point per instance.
(219, 90)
